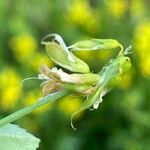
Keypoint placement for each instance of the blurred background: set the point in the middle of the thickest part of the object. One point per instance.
(122, 121)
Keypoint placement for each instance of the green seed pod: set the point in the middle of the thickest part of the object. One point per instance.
(59, 53)
(96, 44)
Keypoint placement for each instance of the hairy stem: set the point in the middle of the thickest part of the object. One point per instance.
(24, 111)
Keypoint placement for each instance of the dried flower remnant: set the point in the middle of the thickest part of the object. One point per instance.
(56, 79)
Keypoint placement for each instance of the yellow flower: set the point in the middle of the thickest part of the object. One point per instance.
(141, 42)
(39, 59)
(32, 97)
(9, 88)
(80, 13)
(117, 7)
(69, 104)
(145, 66)
(23, 46)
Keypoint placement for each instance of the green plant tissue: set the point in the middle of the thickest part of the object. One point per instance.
(12, 137)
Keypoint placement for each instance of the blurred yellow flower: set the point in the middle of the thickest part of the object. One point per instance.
(117, 7)
(141, 42)
(39, 59)
(32, 97)
(69, 104)
(145, 66)
(9, 88)
(80, 13)
(23, 46)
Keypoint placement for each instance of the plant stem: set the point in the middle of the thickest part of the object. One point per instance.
(24, 111)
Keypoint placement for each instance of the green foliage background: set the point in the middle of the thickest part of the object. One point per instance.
(122, 121)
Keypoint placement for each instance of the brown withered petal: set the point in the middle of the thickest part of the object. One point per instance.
(46, 82)
(50, 88)
(43, 69)
(65, 77)
(89, 90)
(89, 78)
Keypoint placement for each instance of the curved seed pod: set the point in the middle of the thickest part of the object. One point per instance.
(59, 53)
(96, 44)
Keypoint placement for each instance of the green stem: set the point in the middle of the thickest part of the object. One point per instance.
(42, 101)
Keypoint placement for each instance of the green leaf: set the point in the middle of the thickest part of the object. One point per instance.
(95, 44)
(12, 137)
